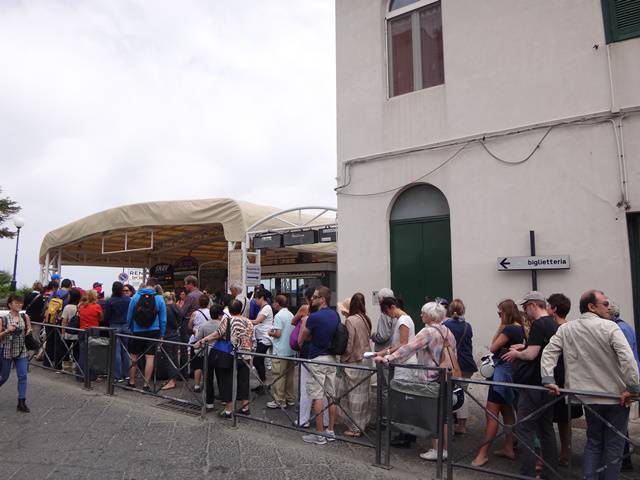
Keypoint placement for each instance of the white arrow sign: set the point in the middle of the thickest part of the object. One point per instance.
(538, 262)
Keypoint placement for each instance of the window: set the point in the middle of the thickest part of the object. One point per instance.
(414, 29)
(621, 19)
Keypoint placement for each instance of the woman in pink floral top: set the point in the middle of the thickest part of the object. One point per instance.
(427, 345)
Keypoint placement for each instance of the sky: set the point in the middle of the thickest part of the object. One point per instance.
(107, 103)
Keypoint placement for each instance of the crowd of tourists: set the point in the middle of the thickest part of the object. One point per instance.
(533, 345)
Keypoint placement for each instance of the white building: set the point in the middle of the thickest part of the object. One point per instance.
(504, 116)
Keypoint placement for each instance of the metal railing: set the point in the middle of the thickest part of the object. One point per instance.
(385, 416)
(460, 459)
(181, 360)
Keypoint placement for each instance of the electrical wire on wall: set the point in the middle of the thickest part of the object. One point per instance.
(457, 152)
(446, 161)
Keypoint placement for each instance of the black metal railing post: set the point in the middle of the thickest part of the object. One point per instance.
(234, 389)
(442, 395)
(450, 385)
(205, 381)
(111, 360)
(87, 370)
(383, 426)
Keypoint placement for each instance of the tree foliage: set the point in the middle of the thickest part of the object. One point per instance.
(5, 287)
(8, 208)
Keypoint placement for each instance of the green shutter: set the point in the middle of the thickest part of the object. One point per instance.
(621, 19)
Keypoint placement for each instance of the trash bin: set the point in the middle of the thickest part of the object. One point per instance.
(98, 358)
(415, 407)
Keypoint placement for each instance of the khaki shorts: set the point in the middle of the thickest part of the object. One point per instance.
(321, 381)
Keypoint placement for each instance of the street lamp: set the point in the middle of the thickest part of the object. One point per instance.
(19, 223)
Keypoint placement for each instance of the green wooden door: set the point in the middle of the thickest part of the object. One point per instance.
(420, 262)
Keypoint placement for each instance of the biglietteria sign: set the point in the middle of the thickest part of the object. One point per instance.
(538, 262)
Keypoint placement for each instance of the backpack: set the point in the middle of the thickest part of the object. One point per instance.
(53, 313)
(448, 359)
(145, 311)
(340, 340)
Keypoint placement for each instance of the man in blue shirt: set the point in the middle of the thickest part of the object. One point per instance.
(145, 331)
(630, 335)
(320, 329)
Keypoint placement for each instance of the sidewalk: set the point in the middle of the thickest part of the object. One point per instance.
(72, 433)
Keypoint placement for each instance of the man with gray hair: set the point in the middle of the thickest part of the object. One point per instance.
(384, 330)
(236, 291)
(597, 358)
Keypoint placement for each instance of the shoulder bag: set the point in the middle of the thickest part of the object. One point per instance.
(30, 342)
(222, 350)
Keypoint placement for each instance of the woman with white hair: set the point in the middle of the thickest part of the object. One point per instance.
(427, 346)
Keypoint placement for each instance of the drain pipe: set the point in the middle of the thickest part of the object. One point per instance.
(623, 162)
(616, 124)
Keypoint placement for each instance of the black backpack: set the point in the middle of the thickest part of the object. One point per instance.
(340, 340)
(145, 311)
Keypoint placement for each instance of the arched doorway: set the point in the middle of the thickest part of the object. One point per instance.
(420, 237)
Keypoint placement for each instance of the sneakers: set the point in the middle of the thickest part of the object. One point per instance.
(210, 406)
(432, 455)
(225, 414)
(197, 388)
(304, 425)
(290, 403)
(331, 435)
(274, 405)
(313, 438)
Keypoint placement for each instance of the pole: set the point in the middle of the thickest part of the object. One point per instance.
(12, 288)
(534, 273)
(111, 360)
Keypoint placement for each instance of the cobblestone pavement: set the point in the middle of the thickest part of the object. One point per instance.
(73, 433)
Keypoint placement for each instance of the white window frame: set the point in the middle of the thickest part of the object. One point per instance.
(416, 45)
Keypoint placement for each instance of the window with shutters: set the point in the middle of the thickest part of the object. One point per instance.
(621, 19)
(414, 29)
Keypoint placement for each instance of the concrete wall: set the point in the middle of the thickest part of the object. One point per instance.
(508, 63)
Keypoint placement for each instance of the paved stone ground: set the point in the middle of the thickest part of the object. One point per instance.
(73, 433)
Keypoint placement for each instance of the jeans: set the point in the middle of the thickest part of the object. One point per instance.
(540, 425)
(121, 361)
(603, 451)
(21, 372)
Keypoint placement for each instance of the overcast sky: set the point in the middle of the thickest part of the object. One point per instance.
(106, 103)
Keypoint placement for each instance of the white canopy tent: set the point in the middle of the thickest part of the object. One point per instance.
(143, 234)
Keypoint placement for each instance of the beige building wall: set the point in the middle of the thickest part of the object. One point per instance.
(509, 65)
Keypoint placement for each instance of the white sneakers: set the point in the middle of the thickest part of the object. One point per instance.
(432, 455)
(319, 439)
(313, 438)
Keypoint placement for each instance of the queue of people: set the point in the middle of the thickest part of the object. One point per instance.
(533, 345)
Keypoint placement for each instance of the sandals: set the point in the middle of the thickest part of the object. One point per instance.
(352, 433)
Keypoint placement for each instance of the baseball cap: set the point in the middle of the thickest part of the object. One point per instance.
(96, 284)
(55, 276)
(532, 296)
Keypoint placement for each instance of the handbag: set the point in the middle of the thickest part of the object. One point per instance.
(30, 341)
(222, 351)
(487, 366)
(74, 322)
(293, 338)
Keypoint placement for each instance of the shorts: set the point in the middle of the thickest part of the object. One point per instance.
(140, 345)
(321, 381)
